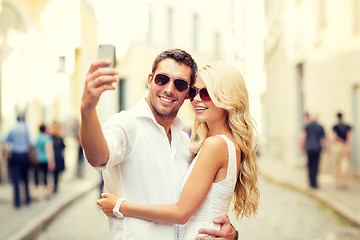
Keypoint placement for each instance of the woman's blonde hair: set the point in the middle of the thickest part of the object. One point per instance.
(228, 91)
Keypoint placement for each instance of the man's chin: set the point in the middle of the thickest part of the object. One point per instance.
(164, 112)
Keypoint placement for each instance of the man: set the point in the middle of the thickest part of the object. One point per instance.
(143, 152)
(312, 141)
(341, 151)
(18, 142)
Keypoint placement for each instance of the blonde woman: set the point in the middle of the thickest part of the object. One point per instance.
(224, 164)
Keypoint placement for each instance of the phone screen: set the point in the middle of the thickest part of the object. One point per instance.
(107, 51)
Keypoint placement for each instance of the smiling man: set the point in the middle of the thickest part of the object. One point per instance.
(143, 152)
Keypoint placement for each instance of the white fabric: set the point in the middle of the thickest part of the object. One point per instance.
(217, 201)
(144, 168)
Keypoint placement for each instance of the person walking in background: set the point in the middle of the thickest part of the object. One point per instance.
(312, 142)
(342, 136)
(80, 155)
(17, 143)
(224, 161)
(59, 146)
(45, 156)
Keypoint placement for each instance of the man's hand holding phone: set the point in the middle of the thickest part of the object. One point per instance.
(99, 78)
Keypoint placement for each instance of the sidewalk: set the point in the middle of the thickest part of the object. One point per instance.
(343, 202)
(27, 221)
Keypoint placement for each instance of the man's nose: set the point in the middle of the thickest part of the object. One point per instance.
(169, 87)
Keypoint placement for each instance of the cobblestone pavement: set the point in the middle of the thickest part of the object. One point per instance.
(83, 219)
(284, 214)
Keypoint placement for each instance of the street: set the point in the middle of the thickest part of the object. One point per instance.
(83, 219)
(283, 214)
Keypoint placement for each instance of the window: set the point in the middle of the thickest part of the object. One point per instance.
(217, 44)
(121, 90)
(356, 16)
(321, 14)
(151, 25)
(195, 34)
(170, 26)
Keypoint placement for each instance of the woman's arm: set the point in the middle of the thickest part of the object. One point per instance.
(213, 157)
(49, 148)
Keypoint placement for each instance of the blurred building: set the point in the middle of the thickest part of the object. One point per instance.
(45, 46)
(312, 53)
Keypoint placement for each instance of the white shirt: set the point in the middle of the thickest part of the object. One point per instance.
(144, 168)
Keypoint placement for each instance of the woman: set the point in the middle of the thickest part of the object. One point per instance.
(224, 151)
(45, 156)
(59, 147)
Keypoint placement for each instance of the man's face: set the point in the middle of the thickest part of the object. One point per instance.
(165, 101)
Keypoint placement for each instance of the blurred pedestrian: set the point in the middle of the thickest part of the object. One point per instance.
(312, 141)
(80, 161)
(17, 145)
(59, 146)
(75, 125)
(45, 156)
(341, 147)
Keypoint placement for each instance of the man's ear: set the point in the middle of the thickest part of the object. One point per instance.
(149, 80)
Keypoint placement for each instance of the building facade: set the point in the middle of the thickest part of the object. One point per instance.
(44, 45)
(311, 57)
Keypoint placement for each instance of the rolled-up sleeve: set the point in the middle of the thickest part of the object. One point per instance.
(115, 132)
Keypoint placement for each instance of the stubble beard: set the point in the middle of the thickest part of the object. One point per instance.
(163, 114)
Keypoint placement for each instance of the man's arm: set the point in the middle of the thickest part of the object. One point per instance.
(49, 147)
(302, 138)
(348, 143)
(98, 80)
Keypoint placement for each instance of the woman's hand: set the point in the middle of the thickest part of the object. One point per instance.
(107, 203)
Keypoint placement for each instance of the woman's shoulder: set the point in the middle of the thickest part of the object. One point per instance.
(215, 145)
(215, 140)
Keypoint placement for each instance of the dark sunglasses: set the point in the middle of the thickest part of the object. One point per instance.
(161, 80)
(203, 93)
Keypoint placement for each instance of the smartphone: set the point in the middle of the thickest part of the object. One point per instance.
(107, 51)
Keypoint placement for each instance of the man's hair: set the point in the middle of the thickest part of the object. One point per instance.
(180, 56)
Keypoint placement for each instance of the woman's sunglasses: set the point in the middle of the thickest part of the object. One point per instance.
(203, 93)
(161, 80)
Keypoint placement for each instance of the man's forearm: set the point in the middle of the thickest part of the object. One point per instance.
(92, 139)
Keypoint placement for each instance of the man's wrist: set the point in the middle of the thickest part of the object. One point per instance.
(236, 233)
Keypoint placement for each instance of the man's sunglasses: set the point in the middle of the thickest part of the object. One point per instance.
(161, 80)
(203, 93)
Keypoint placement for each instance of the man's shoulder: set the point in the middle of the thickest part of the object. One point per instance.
(341, 125)
(124, 118)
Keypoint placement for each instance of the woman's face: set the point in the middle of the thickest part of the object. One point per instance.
(206, 111)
